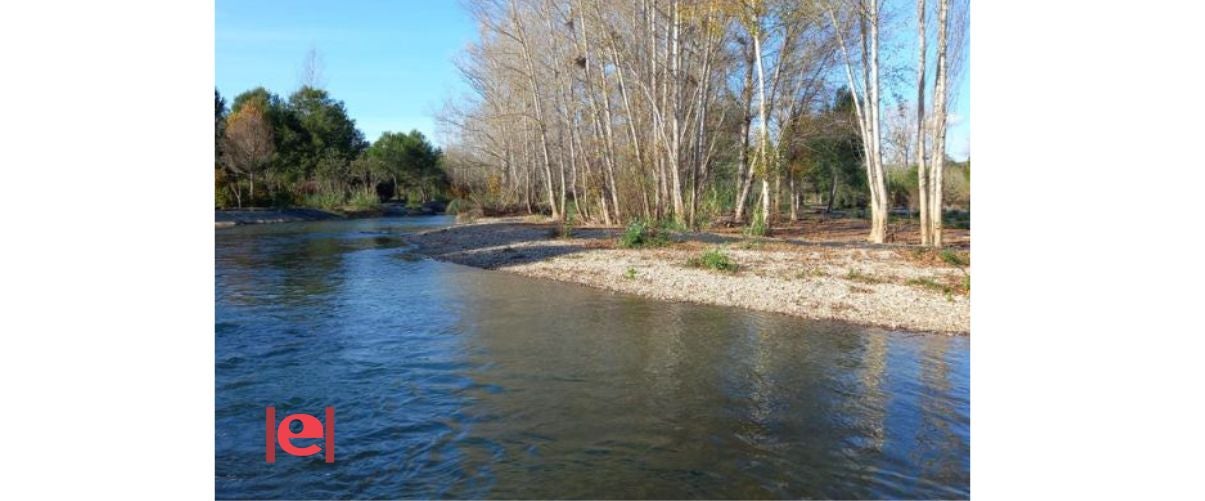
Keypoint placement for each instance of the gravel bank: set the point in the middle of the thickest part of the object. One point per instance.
(893, 287)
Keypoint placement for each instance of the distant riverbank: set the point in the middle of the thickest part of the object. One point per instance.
(820, 273)
(231, 217)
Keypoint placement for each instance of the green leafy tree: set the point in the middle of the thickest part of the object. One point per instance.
(292, 161)
(330, 129)
(411, 162)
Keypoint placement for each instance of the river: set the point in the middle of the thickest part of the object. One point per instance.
(454, 382)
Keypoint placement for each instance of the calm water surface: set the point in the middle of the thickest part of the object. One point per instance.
(455, 382)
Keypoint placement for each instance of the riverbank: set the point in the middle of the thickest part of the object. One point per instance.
(231, 217)
(823, 272)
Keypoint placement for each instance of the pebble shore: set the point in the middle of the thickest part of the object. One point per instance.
(882, 286)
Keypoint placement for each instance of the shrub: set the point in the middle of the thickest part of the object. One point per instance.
(639, 234)
(713, 259)
(630, 274)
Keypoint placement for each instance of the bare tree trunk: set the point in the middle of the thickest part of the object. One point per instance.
(745, 168)
(699, 173)
(939, 126)
(762, 133)
(605, 129)
(627, 105)
(675, 87)
(922, 173)
(539, 109)
(878, 212)
(238, 193)
(866, 109)
(832, 195)
(794, 199)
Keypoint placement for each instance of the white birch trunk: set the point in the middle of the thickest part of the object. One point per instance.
(922, 173)
(763, 131)
(939, 126)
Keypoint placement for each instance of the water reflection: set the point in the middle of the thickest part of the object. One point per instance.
(455, 382)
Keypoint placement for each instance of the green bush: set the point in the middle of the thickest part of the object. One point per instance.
(640, 234)
(630, 274)
(714, 259)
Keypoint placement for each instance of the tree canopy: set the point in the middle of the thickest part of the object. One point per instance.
(308, 151)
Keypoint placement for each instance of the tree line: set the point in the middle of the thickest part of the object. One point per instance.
(306, 151)
(693, 111)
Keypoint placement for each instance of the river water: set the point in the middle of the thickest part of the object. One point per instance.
(454, 382)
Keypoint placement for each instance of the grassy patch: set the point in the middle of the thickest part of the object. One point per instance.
(949, 288)
(714, 259)
(364, 200)
(859, 276)
(324, 200)
(811, 272)
(630, 274)
(955, 258)
(929, 283)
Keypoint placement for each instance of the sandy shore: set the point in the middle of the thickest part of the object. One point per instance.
(888, 286)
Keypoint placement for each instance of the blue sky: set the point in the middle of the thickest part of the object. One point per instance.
(390, 62)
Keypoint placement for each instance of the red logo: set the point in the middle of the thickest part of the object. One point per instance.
(310, 428)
